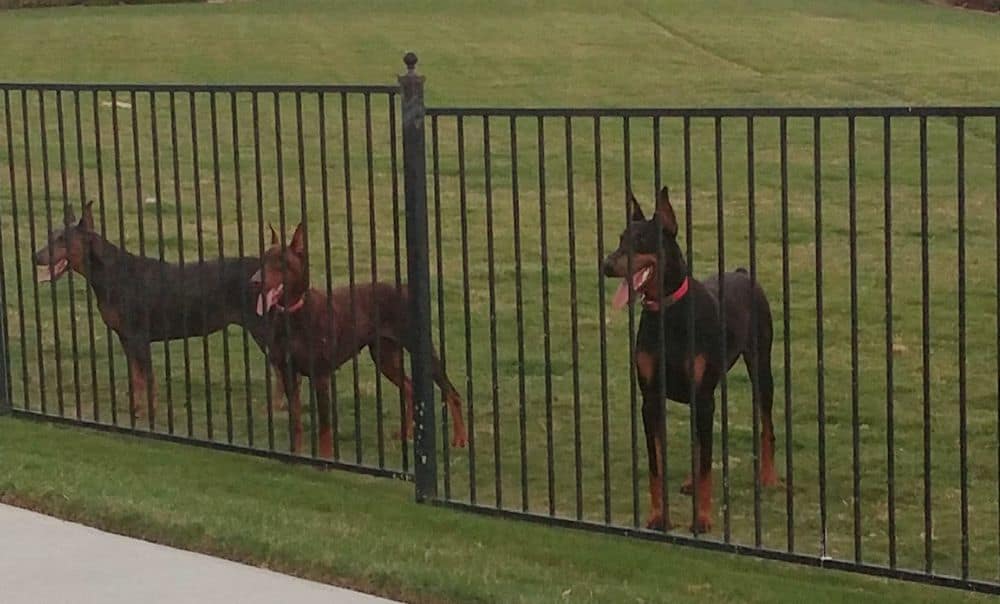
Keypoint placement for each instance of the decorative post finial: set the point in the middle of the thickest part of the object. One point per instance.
(411, 61)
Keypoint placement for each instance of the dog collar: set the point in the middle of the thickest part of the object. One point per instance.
(293, 307)
(665, 303)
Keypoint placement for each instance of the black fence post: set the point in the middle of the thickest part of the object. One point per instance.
(418, 274)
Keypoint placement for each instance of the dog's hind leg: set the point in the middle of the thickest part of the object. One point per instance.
(390, 362)
(322, 386)
(758, 363)
(142, 382)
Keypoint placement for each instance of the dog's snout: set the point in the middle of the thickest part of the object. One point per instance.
(610, 266)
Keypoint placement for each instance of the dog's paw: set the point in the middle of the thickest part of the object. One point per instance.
(686, 487)
(659, 522)
(703, 524)
(460, 441)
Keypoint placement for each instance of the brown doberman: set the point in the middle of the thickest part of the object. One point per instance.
(659, 278)
(311, 334)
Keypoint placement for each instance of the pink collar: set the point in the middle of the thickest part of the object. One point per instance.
(294, 307)
(674, 298)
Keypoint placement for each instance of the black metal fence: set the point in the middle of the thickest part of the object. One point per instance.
(873, 233)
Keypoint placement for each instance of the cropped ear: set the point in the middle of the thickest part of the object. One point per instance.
(665, 212)
(69, 219)
(298, 243)
(634, 211)
(87, 220)
(275, 240)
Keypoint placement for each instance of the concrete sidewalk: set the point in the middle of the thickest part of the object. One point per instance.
(47, 560)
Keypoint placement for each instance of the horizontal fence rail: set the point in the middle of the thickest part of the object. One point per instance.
(821, 283)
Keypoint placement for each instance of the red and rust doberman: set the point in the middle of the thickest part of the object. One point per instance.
(311, 334)
(659, 278)
(146, 300)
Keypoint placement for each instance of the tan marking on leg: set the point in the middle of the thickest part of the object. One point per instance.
(646, 365)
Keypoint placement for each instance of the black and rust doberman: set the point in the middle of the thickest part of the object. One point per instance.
(659, 278)
(311, 334)
(146, 300)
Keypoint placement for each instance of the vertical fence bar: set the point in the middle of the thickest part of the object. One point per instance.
(373, 254)
(546, 331)
(689, 242)
(820, 372)
(5, 385)
(328, 265)
(161, 249)
(466, 307)
(300, 156)
(574, 320)
(602, 326)
(786, 319)
(91, 334)
(352, 296)
(196, 169)
(491, 277)
(522, 414)
(661, 368)
(186, 348)
(852, 208)
(442, 340)
(418, 271)
(890, 441)
(119, 203)
(259, 190)
(724, 389)
(147, 362)
(755, 385)
(47, 192)
(404, 446)
(962, 376)
(18, 271)
(220, 241)
(996, 219)
(926, 348)
(64, 188)
(33, 241)
(241, 253)
(292, 392)
(99, 154)
(633, 390)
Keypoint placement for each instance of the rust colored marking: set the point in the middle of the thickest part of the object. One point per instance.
(646, 365)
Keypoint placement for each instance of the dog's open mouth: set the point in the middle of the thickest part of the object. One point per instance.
(47, 272)
(640, 279)
(268, 299)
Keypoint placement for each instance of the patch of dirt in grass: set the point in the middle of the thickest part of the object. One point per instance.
(990, 6)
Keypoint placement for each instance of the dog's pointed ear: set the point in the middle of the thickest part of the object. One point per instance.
(634, 211)
(87, 220)
(274, 235)
(70, 218)
(665, 212)
(298, 243)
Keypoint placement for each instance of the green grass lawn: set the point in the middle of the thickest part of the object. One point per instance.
(368, 533)
(553, 54)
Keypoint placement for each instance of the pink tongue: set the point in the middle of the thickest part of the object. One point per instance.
(265, 300)
(638, 280)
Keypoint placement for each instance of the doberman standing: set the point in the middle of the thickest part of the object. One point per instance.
(146, 300)
(310, 334)
(660, 279)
